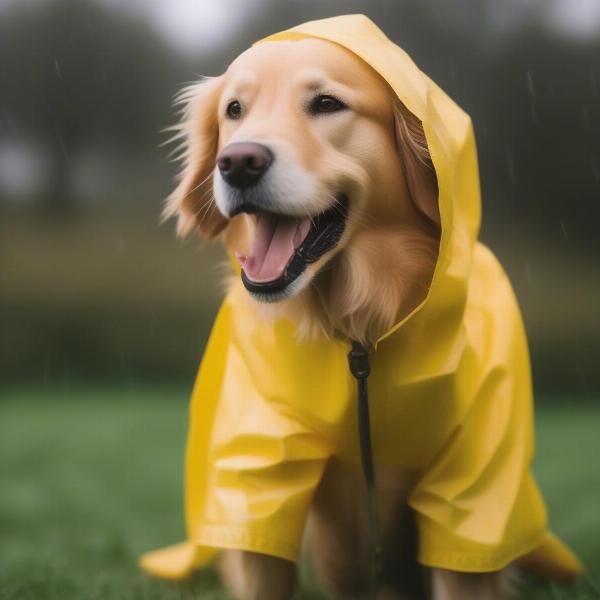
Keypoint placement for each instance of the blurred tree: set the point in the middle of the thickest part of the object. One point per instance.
(73, 74)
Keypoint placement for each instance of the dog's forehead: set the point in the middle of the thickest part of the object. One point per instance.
(306, 59)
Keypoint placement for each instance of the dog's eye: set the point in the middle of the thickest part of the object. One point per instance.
(234, 110)
(325, 104)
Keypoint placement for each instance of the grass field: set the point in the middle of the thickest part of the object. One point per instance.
(90, 479)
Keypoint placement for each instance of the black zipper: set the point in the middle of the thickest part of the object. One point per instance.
(358, 362)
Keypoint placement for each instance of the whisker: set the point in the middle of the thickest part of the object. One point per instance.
(198, 186)
(359, 216)
(208, 193)
(204, 210)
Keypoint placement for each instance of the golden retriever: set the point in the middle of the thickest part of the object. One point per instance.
(323, 187)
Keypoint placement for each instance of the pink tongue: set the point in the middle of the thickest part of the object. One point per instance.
(275, 240)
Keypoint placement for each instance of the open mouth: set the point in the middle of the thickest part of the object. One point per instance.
(284, 245)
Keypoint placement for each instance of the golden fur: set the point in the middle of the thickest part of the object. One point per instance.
(395, 232)
(381, 269)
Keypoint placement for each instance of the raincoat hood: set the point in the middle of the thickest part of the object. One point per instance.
(450, 388)
(450, 138)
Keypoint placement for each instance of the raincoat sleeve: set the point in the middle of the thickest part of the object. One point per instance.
(478, 506)
(251, 468)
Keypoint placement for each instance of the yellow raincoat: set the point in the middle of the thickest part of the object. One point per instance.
(450, 389)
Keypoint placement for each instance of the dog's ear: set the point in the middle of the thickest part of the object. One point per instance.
(418, 168)
(192, 201)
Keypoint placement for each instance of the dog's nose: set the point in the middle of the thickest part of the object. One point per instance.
(242, 164)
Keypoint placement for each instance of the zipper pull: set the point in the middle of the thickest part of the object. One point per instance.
(358, 361)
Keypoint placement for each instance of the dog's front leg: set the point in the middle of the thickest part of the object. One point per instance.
(253, 576)
(451, 585)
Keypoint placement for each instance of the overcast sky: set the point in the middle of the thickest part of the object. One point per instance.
(192, 25)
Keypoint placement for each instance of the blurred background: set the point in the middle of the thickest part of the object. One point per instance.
(100, 306)
(92, 288)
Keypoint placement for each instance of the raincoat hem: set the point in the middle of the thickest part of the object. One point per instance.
(479, 562)
(242, 538)
(176, 562)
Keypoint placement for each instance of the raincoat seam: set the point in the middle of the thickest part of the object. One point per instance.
(445, 557)
(223, 535)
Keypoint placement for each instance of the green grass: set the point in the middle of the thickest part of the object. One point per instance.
(91, 479)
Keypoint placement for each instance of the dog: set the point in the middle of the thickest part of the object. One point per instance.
(320, 181)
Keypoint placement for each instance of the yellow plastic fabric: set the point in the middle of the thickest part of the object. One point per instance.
(450, 390)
